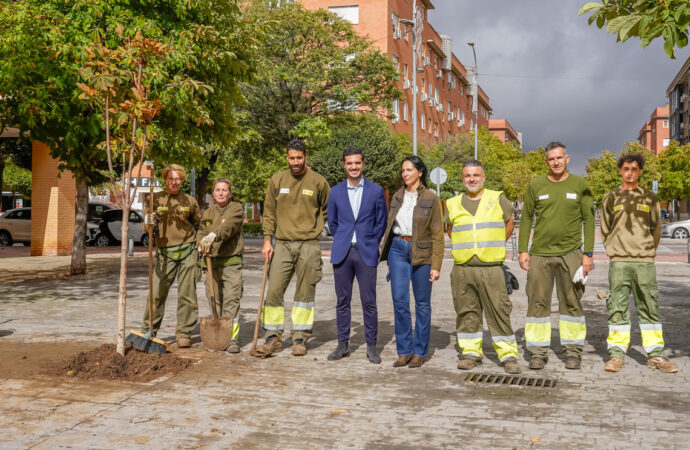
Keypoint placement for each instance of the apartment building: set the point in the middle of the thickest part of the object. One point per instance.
(678, 95)
(444, 97)
(655, 133)
(503, 130)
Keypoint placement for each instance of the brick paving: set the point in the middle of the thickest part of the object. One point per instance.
(231, 401)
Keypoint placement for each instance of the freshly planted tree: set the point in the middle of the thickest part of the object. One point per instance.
(645, 19)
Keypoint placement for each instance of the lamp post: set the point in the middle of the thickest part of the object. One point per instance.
(475, 92)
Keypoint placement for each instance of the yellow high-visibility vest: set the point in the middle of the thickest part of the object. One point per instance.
(483, 234)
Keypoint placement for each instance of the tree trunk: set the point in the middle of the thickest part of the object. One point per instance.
(78, 263)
(2, 171)
(122, 287)
(203, 181)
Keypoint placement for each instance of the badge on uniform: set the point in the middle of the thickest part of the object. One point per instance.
(162, 208)
(185, 208)
(641, 207)
(618, 207)
(571, 196)
(307, 192)
(544, 197)
(284, 190)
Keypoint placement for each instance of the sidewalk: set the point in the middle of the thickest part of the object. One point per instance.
(238, 401)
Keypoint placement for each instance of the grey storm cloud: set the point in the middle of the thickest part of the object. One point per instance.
(553, 77)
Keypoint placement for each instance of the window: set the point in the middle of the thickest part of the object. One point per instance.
(429, 129)
(405, 70)
(666, 142)
(396, 110)
(405, 111)
(666, 123)
(436, 129)
(431, 90)
(423, 121)
(349, 13)
(394, 58)
(436, 94)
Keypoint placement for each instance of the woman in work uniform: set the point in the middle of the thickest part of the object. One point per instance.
(175, 218)
(220, 237)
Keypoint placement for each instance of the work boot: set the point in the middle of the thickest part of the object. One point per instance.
(373, 354)
(537, 363)
(299, 347)
(572, 362)
(233, 347)
(416, 361)
(511, 366)
(184, 342)
(341, 351)
(614, 365)
(604, 295)
(402, 360)
(272, 345)
(468, 363)
(663, 364)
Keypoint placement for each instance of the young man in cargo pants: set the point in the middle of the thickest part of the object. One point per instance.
(295, 210)
(631, 231)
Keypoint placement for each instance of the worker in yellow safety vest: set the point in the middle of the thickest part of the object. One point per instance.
(479, 222)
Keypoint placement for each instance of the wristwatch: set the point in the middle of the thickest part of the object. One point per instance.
(588, 254)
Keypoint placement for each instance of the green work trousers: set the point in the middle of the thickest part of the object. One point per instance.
(303, 259)
(543, 271)
(476, 290)
(227, 287)
(638, 278)
(187, 273)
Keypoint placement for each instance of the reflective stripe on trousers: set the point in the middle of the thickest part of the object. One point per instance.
(538, 331)
(471, 343)
(619, 337)
(505, 347)
(652, 336)
(235, 328)
(302, 316)
(272, 317)
(573, 330)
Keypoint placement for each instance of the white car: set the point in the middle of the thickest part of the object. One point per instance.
(676, 230)
(110, 228)
(15, 226)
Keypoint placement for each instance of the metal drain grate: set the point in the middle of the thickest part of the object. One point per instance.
(510, 380)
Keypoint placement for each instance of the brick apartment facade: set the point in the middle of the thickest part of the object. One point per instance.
(444, 103)
(655, 133)
(503, 130)
(678, 97)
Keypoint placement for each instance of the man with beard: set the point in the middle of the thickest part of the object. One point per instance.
(563, 209)
(295, 210)
(479, 222)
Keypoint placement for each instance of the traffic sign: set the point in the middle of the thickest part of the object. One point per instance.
(438, 176)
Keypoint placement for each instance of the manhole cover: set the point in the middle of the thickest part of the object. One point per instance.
(510, 380)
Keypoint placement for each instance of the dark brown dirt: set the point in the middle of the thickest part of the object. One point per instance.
(105, 363)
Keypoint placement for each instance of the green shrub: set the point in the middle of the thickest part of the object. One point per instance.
(252, 229)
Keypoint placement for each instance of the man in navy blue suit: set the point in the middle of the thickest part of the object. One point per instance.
(357, 216)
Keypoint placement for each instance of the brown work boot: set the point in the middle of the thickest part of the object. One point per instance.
(402, 360)
(272, 345)
(572, 362)
(663, 364)
(511, 366)
(233, 347)
(299, 347)
(614, 365)
(537, 363)
(184, 342)
(416, 361)
(468, 363)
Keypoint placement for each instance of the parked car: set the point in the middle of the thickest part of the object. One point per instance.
(676, 230)
(110, 228)
(95, 211)
(15, 226)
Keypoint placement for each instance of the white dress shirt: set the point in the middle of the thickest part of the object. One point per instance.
(403, 221)
(354, 193)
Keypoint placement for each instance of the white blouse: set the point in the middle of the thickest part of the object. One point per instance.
(403, 221)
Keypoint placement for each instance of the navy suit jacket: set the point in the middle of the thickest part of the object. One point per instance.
(369, 225)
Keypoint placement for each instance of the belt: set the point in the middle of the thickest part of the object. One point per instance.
(353, 245)
(405, 238)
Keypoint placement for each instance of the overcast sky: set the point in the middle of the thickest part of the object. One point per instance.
(556, 78)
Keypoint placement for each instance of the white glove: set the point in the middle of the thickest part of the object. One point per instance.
(149, 219)
(208, 239)
(580, 276)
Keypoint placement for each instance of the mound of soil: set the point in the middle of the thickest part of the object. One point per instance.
(105, 363)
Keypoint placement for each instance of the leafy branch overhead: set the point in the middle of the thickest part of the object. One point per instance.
(645, 19)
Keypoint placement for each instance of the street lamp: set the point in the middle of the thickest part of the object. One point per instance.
(475, 94)
(415, 29)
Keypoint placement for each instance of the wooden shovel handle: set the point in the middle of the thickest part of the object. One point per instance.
(260, 307)
(209, 269)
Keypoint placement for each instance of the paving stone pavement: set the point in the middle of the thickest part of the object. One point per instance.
(238, 401)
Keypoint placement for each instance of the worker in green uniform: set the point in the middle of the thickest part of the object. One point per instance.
(562, 206)
(631, 231)
(479, 222)
(220, 237)
(175, 218)
(295, 210)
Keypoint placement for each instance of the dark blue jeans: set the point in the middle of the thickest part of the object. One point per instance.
(402, 272)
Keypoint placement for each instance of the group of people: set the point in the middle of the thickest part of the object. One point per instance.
(409, 234)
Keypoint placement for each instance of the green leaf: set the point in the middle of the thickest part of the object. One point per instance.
(589, 6)
(615, 25)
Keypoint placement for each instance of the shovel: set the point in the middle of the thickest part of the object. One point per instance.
(216, 332)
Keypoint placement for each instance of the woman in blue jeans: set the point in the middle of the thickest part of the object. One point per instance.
(413, 247)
